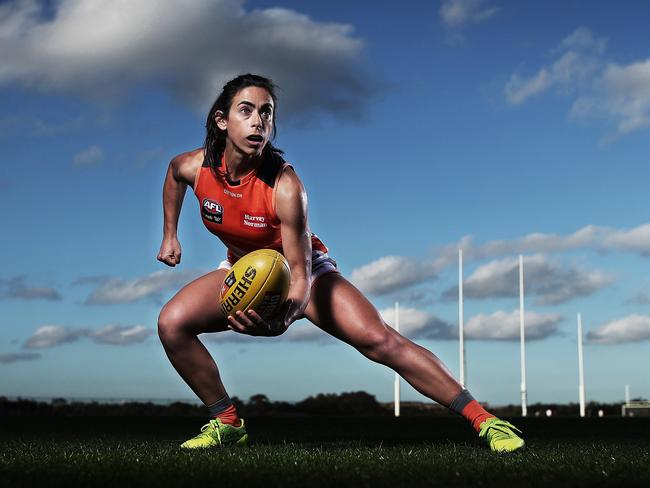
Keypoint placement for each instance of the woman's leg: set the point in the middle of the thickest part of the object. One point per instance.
(194, 310)
(341, 310)
(338, 308)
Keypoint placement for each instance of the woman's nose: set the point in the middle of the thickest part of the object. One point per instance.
(257, 120)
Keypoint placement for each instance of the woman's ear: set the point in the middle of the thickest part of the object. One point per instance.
(222, 122)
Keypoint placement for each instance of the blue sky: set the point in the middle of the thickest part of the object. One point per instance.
(504, 128)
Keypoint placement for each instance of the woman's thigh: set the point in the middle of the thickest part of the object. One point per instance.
(196, 307)
(337, 307)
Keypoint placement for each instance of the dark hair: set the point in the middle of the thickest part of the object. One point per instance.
(215, 138)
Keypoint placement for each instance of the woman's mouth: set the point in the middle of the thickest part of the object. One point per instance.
(255, 140)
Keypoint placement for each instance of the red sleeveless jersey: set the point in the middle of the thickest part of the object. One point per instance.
(242, 214)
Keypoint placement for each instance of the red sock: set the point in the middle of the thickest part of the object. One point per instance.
(475, 414)
(229, 416)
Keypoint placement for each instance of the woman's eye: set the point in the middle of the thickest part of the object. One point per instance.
(245, 110)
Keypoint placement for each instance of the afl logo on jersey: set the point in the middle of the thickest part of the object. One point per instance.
(212, 211)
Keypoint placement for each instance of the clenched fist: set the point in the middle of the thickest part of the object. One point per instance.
(170, 251)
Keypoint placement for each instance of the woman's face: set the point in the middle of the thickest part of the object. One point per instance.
(250, 120)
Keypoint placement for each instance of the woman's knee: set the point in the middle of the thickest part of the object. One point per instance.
(382, 345)
(171, 323)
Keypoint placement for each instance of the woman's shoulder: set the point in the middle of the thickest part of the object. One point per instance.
(290, 197)
(288, 183)
(187, 164)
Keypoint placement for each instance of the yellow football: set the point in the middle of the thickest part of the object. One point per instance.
(258, 281)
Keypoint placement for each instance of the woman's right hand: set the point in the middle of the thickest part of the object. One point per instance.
(170, 251)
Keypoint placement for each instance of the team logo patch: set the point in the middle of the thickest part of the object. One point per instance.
(227, 283)
(240, 290)
(212, 211)
(254, 222)
(230, 279)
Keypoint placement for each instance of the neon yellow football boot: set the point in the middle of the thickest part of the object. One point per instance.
(217, 434)
(500, 435)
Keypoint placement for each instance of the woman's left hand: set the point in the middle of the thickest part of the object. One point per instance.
(251, 323)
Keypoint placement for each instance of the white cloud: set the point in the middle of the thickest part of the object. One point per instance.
(618, 92)
(305, 331)
(414, 324)
(52, 335)
(48, 336)
(88, 157)
(456, 14)
(636, 240)
(633, 328)
(114, 290)
(392, 273)
(580, 59)
(588, 236)
(544, 279)
(15, 288)
(14, 357)
(538, 242)
(419, 324)
(583, 39)
(420, 296)
(622, 94)
(519, 89)
(299, 331)
(91, 280)
(119, 335)
(504, 326)
(103, 49)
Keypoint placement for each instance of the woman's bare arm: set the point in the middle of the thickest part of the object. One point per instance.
(291, 207)
(180, 173)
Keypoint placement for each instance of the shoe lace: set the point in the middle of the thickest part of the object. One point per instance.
(212, 425)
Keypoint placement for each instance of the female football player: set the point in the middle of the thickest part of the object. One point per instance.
(240, 178)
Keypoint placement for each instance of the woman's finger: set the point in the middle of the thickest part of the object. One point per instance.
(254, 317)
(267, 327)
(244, 319)
(242, 324)
(235, 325)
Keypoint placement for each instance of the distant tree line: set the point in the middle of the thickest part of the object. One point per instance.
(351, 403)
(358, 403)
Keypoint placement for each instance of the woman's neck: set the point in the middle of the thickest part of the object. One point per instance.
(238, 164)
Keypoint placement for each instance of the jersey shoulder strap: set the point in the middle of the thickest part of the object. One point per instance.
(269, 170)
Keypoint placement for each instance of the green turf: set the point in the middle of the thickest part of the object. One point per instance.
(342, 464)
(74, 456)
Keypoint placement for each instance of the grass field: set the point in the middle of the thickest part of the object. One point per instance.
(322, 452)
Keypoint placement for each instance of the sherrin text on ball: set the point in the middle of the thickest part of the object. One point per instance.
(258, 281)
